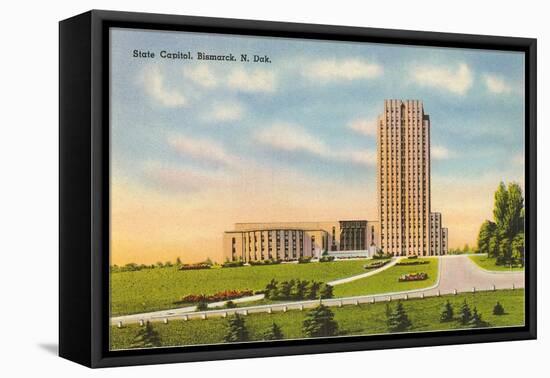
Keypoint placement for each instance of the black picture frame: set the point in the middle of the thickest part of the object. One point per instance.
(84, 187)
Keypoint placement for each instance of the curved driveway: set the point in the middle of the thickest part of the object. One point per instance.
(457, 274)
(461, 273)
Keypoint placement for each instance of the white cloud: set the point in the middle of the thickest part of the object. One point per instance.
(342, 70)
(201, 75)
(225, 112)
(364, 126)
(440, 152)
(457, 80)
(253, 81)
(289, 137)
(497, 85)
(153, 82)
(364, 157)
(201, 149)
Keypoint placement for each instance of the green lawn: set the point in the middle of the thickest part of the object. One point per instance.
(158, 289)
(387, 281)
(489, 263)
(365, 319)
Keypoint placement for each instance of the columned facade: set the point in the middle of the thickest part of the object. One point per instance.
(353, 235)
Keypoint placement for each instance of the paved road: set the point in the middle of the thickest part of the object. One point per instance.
(457, 274)
(461, 273)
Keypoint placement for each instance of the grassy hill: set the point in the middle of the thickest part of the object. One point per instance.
(387, 281)
(158, 288)
(489, 263)
(365, 319)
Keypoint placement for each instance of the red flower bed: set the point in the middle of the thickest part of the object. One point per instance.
(413, 277)
(413, 262)
(376, 264)
(218, 297)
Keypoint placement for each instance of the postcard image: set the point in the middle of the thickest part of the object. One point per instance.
(266, 189)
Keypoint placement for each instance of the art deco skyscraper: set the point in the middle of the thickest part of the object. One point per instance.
(404, 178)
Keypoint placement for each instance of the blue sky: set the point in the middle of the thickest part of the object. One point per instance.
(180, 126)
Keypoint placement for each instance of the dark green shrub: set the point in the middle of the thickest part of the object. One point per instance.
(320, 322)
(236, 330)
(399, 321)
(447, 313)
(232, 264)
(202, 306)
(273, 333)
(326, 259)
(146, 337)
(476, 321)
(465, 314)
(498, 309)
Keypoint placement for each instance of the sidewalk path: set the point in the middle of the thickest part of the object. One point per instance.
(363, 275)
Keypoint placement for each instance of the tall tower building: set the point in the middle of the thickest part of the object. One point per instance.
(404, 178)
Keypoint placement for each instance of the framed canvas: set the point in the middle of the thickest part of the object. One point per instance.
(234, 188)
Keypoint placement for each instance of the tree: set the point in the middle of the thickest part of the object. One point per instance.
(514, 213)
(202, 306)
(271, 289)
(493, 245)
(518, 249)
(502, 238)
(327, 291)
(147, 337)
(285, 290)
(236, 330)
(300, 289)
(486, 232)
(320, 322)
(465, 313)
(398, 320)
(388, 312)
(501, 205)
(273, 333)
(504, 251)
(313, 291)
(476, 321)
(498, 309)
(447, 313)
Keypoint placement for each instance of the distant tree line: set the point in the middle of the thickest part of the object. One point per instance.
(133, 267)
(459, 251)
(503, 238)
